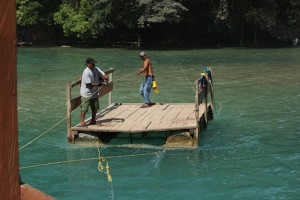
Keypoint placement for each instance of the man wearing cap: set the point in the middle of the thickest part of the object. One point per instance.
(146, 86)
(91, 79)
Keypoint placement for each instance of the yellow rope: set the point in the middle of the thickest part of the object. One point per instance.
(101, 168)
(85, 159)
(56, 123)
(66, 116)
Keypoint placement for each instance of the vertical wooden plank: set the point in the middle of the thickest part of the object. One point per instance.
(69, 124)
(197, 100)
(110, 93)
(205, 100)
(196, 136)
(9, 163)
(196, 111)
(211, 95)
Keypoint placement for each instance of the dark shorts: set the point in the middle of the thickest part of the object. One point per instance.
(86, 102)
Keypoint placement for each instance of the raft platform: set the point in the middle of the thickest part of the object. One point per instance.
(182, 121)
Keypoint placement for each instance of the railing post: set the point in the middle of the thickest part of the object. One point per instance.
(110, 93)
(69, 132)
(197, 100)
(196, 111)
(205, 101)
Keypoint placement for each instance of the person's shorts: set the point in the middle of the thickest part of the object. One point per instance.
(86, 102)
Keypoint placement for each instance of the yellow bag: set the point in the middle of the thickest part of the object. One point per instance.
(154, 87)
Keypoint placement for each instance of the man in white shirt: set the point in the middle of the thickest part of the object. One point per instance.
(91, 79)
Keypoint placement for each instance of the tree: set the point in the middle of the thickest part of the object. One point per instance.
(27, 12)
(230, 17)
(231, 21)
(281, 20)
(73, 20)
(27, 15)
(157, 12)
(91, 19)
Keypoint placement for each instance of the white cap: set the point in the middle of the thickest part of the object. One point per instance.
(143, 53)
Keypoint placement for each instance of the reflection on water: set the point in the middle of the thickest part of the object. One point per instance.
(249, 151)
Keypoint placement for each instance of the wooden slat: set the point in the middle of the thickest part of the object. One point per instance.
(109, 71)
(169, 118)
(156, 123)
(201, 94)
(132, 118)
(130, 109)
(111, 112)
(76, 83)
(106, 89)
(144, 121)
(75, 102)
(110, 117)
(186, 117)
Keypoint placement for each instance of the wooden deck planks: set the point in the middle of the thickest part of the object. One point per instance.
(156, 120)
(144, 121)
(132, 118)
(113, 122)
(112, 112)
(186, 117)
(174, 117)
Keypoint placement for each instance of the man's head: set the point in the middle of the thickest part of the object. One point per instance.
(90, 62)
(143, 55)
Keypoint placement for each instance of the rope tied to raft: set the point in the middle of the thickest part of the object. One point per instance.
(185, 76)
(103, 165)
(87, 159)
(28, 143)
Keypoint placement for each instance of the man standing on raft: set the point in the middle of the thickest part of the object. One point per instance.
(91, 80)
(146, 86)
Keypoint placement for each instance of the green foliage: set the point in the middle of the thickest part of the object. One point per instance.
(90, 19)
(237, 20)
(86, 19)
(156, 11)
(77, 20)
(27, 12)
(280, 19)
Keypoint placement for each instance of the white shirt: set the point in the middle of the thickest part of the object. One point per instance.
(90, 76)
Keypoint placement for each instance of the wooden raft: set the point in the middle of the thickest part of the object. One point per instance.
(131, 118)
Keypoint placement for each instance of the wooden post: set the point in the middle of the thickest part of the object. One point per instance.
(9, 154)
(69, 124)
(196, 111)
(205, 100)
(110, 93)
(197, 100)
(211, 96)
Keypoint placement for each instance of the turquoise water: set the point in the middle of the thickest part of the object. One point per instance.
(251, 150)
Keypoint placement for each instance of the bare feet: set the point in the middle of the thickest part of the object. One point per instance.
(81, 125)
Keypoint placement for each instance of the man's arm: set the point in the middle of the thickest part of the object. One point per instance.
(146, 65)
(103, 74)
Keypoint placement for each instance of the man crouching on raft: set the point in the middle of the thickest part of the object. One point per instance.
(149, 78)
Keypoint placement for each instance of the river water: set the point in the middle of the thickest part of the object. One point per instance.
(251, 150)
